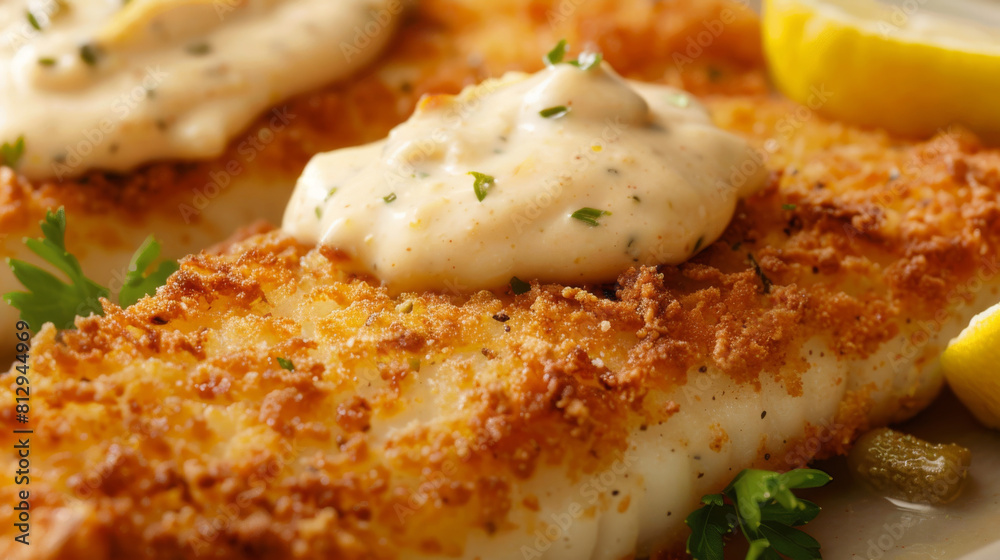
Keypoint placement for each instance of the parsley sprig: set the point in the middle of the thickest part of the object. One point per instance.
(49, 299)
(482, 184)
(11, 153)
(556, 112)
(33, 20)
(585, 61)
(138, 284)
(589, 216)
(762, 506)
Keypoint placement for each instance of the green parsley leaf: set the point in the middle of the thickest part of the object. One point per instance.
(33, 20)
(760, 549)
(49, 299)
(138, 284)
(12, 152)
(761, 504)
(698, 244)
(557, 54)
(89, 53)
(709, 525)
(777, 513)
(679, 100)
(790, 542)
(47, 61)
(389, 197)
(285, 363)
(589, 216)
(519, 286)
(588, 60)
(753, 487)
(585, 61)
(482, 184)
(199, 49)
(554, 112)
(789, 206)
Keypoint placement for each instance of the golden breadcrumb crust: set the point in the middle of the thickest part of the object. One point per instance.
(172, 430)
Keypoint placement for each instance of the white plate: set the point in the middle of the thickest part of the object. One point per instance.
(858, 525)
(991, 552)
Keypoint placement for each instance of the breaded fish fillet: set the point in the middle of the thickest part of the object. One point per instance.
(266, 405)
(443, 46)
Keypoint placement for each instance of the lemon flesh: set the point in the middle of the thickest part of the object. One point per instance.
(971, 364)
(913, 68)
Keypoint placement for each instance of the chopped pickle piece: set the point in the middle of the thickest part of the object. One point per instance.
(907, 468)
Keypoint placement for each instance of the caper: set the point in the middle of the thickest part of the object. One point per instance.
(904, 467)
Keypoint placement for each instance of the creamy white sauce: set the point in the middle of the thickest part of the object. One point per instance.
(111, 87)
(664, 179)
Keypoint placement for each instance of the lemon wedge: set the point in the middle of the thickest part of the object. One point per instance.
(912, 67)
(971, 364)
(134, 18)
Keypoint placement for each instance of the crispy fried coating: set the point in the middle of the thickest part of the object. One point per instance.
(444, 424)
(171, 430)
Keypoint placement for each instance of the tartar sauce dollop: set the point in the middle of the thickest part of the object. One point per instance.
(570, 175)
(111, 84)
